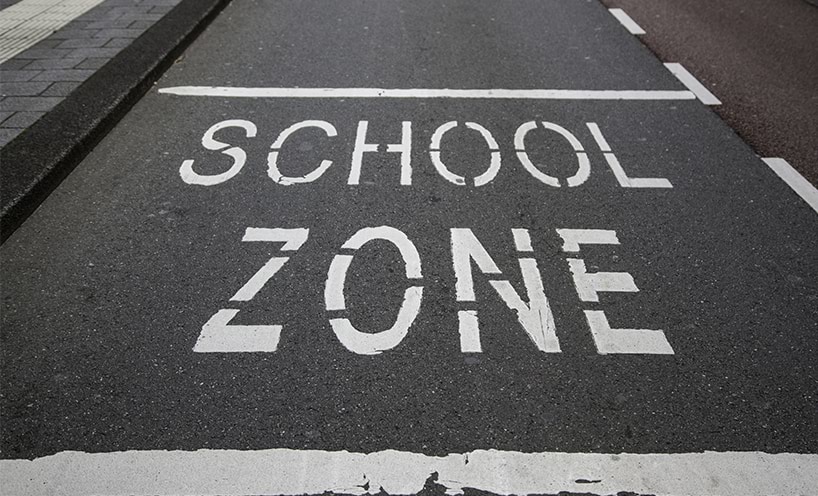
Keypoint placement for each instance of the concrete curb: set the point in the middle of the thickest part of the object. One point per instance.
(35, 162)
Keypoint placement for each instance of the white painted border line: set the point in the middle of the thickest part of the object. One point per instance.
(693, 84)
(545, 94)
(626, 21)
(290, 472)
(794, 180)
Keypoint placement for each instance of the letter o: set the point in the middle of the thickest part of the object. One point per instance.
(374, 343)
(583, 165)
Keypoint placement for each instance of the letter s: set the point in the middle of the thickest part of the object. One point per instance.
(239, 156)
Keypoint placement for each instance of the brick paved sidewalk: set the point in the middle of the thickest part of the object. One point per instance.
(37, 79)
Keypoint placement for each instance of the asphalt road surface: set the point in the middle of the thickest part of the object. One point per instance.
(248, 264)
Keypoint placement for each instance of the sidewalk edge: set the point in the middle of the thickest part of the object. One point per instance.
(36, 161)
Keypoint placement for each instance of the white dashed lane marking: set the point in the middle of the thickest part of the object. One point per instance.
(693, 84)
(626, 21)
(794, 180)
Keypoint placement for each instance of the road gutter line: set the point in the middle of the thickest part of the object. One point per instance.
(794, 180)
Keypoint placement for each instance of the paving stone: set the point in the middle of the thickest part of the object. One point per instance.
(78, 23)
(84, 43)
(13, 65)
(30, 103)
(141, 17)
(102, 12)
(22, 88)
(123, 2)
(43, 53)
(119, 33)
(141, 25)
(53, 64)
(130, 10)
(118, 43)
(92, 63)
(115, 24)
(62, 88)
(22, 119)
(94, 52)
(5, 115)
(161, 3)
(162, 9)
(47, 43)
(72, 34)
(18, 75)
(64, 75)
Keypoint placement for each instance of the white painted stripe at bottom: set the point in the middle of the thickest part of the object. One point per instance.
(693, 84)
(626, 21)
(286, 472)
(527, 94)
(794, 180)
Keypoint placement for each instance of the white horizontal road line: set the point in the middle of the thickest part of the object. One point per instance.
(224, 91)
(794, 180)
(626, 21)
(286, 471)
(27, 22)
(693, 84)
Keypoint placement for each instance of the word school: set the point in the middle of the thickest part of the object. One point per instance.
(403, 148)
(535, 315)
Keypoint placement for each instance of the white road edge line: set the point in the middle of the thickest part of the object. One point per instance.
(794, 180)
(531, 94)
(693, 84)
(290, 472)
(626, 21)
